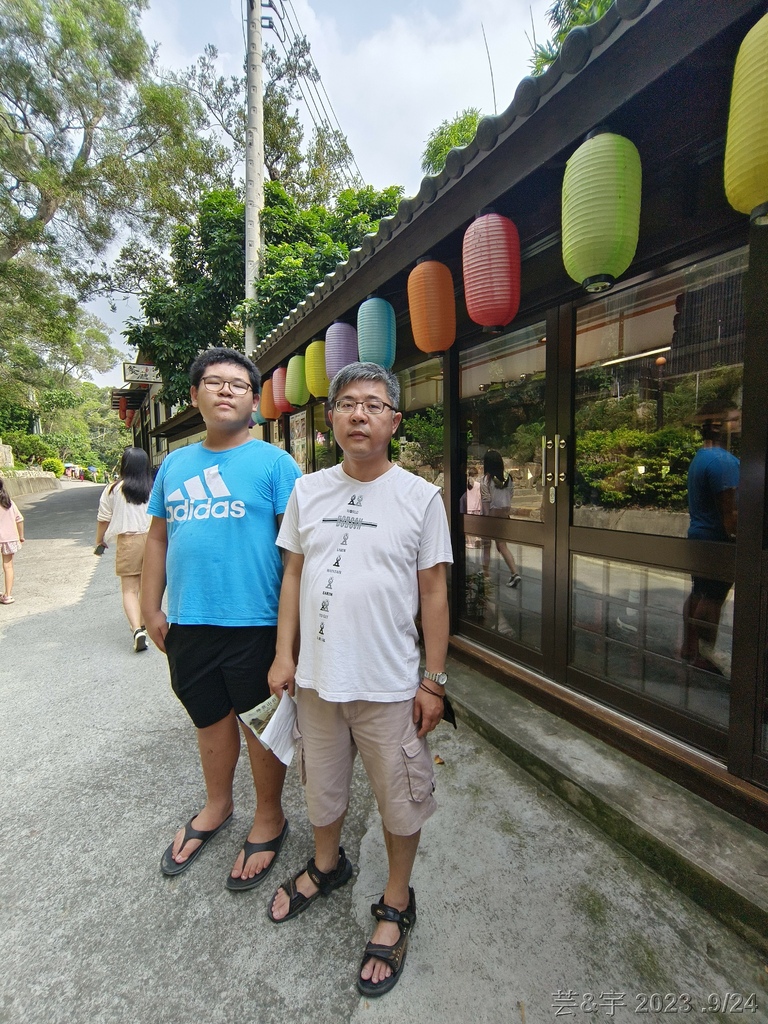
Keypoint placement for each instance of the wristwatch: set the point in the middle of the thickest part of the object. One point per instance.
(437, 677)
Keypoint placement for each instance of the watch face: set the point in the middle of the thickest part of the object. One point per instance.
(437, 677)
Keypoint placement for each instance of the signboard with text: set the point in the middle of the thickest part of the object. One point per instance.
(144, 373)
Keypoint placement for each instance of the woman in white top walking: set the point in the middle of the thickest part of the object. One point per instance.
(123, 514)
(496, 491)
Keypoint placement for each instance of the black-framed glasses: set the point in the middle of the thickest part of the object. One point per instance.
(371, 406)
(216, 384)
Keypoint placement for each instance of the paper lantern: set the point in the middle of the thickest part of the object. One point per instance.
(376, 332)
(314, 369)
(746, 147)
(129, 417)
(432, 306)
(601, 210)
(340, 347)
(267, 402)
(278, 390)
(122, 408)
(296, 390)
(257, 418)
(491, 264)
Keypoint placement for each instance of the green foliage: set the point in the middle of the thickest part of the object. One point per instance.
(55, 466)
(448, 135)
(424, 432)
(29, 448)
(562, 16)
(200, 301)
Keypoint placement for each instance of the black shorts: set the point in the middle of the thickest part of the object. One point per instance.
(217, 668)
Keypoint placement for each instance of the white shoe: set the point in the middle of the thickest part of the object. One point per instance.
(140, 639)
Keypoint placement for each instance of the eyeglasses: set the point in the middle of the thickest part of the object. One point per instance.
(237, 387)
(371, 406)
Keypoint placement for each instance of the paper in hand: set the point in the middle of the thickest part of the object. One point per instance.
(279, 734)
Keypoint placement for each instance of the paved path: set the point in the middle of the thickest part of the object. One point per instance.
(526, 913)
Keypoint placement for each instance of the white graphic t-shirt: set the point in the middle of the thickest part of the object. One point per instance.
(363, 544)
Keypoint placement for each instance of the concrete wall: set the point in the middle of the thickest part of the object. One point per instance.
(6, 455)
(28, 481)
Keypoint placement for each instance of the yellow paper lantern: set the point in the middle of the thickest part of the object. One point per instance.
(314, 367)
(746, 147)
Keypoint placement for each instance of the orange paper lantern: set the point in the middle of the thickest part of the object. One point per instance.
(267, 403)
(432, 306)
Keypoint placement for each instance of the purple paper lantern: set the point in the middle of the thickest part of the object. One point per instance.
(340, 347)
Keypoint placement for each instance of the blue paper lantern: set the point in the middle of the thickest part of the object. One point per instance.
(376, 332)
(340, 347)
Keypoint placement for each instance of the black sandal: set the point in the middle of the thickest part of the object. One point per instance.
(326, 882)
(392, 955)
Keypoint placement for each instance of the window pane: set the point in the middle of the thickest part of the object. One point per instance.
(654, 631)
(502, 410)
(513, 611)
(420, 445)
(652, 363)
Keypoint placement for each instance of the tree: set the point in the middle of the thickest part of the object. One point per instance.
(448, 135)
(91, 139)
(562, 16)
(200, 301)
(311, 176)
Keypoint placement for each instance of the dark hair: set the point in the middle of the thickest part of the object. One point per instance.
(353, 372)
(136, 476)
(493, 465)
(211, 356)
(711, 418)
(5, 498)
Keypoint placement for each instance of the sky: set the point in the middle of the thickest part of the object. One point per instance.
(393, 71)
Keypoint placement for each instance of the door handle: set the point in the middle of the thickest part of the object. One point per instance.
(547, 445)
(560, 446)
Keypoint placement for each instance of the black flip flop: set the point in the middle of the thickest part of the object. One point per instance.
(273, 846)
(171, 867)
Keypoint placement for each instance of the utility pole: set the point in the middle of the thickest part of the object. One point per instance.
(254, 163)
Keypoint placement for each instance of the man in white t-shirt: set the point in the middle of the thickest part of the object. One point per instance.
(365, 543)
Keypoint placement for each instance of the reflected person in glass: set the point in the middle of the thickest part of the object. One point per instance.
(496, 490)
(713, 480)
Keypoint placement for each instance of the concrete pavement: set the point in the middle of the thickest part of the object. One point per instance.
(527, 913)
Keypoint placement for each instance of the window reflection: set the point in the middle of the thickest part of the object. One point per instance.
(502, 385)
(420, 445)
(649, 362)
(489, 601)
(628, 627)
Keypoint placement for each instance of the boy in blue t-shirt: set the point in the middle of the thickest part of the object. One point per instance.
(216, 508)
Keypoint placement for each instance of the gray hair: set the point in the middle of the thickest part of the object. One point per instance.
(353, 372)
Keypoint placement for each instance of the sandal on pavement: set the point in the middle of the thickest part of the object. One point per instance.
(326, 882)
(392, 955)
(6, 599)
(273, 846)
(171, 867)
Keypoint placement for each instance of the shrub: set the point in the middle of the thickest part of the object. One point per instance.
(55, 466)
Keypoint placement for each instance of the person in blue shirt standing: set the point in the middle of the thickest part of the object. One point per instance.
(216, 509)
(713, 481)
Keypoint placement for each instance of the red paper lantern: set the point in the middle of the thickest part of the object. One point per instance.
(491, 262)
(278, 390)
(432, 306)
(267, 402)
(122, 407)
(129, 417)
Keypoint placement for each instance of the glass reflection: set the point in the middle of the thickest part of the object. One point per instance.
(628, 627)
(489, 600)
(649, 361)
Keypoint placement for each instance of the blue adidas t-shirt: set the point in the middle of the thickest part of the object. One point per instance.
(222, 567)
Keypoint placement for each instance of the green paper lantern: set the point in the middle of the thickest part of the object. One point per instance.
(601, 210)
(296, 390)
(314, 365)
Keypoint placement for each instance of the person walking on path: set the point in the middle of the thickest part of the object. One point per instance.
(496, 492)
(365, 542)
(123, 514)
(11, 539)
(216, 507)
